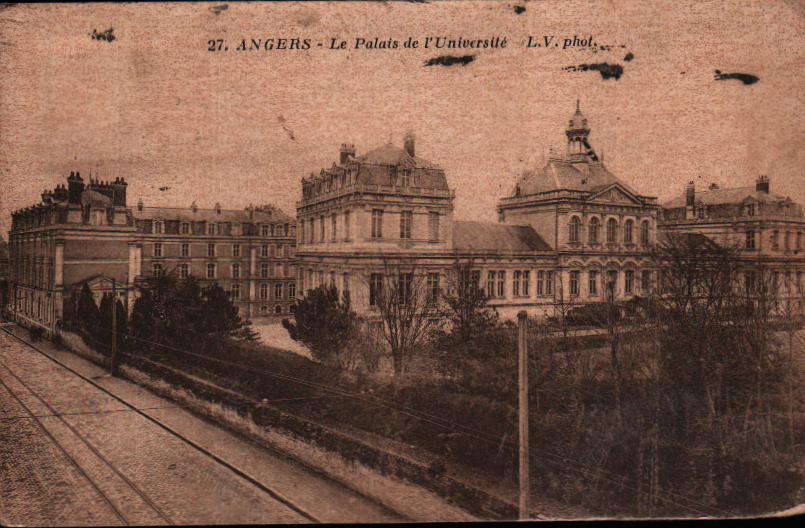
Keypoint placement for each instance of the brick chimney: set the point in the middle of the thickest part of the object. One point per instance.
(347, 151)
(409, 144)
(762, 184)
(690, 200)
(75, 186)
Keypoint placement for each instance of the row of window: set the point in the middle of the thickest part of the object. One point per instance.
(308, 234)
(281, 270)
(279, 291)
(212, 228)
(266, 250)
(612, 227)
(775, 240)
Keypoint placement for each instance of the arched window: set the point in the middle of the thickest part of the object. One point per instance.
(593, 228)
(612, 230)
(627, 231)
(575, 229)
(644, 233)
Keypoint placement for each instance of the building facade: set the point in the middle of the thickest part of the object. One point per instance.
(568, 230)
(601, 230)
(763, 228)
(77, 234)
(250, 253)
(84, 234)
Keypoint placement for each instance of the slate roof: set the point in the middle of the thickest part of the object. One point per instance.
(374, 168)
(582, 175)
(726, 196)
(209, 215)
(496, 237)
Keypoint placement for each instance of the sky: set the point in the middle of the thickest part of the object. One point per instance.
(237, 127)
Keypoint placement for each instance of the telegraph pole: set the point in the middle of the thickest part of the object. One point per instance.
(113, 366)
(522, 346)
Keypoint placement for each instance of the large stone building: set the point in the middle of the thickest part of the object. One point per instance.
(567, 228)
(84, 234)
(600, 229)
(77, 234)
(763, 228)
(248, 252)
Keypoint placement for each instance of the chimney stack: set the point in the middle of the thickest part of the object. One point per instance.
(762, 184)
(690, 200)
(140, 204)
(347, 151)
(409, 144)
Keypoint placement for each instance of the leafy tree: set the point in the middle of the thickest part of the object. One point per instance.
(87, 313)
(324, 322)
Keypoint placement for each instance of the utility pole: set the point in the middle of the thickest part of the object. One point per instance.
(113, 366)
(522, 346)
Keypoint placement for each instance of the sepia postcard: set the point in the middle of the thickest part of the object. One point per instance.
(401, 261)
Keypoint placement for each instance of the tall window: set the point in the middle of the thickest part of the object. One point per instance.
(333, 227)
(236, 270)
(345, 284)
(575, 229)
(264, 291)
(750, 210)
(377, 223)
(212, 228)
(490, 284)
(185, 250)
(291, 290)
(210, 250)
(540, 283)
(278, 290)
(264, 251)
(235, 292)
(406, 220)
(574, 283)
(184, 271)
(644, 233)
(264, 269)
(287, 229)
(375, 288)
(346, 226)
(592, 283)
(211, 270)
(302, 231)
(593, 230)
(627, 231)
(775, 240)
(184, 228)
(526, 279)
(311, 233)
(265, 230)
(549, 283)
(433, 287)
(433, 227)
(405, 177)
(236, 250)
(405, 284)
(787, 240)
(628, 281)
(158, 249)
(612, 231)
(321, 228)
(645, 281)
(501, 284)
(750, 239)
(516, 283)
(159, 227)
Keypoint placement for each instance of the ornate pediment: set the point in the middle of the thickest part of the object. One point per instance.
(615, 194)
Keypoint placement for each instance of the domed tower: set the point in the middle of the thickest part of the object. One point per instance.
(577, 133)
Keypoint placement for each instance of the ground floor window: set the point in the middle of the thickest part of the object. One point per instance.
(593, 283)
(375, 288)
(574, 283)
(645, 281)
(628, 285)
(264, 310)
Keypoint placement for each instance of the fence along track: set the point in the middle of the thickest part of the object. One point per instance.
(266, 489)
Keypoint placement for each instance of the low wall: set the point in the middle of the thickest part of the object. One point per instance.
(389, 478)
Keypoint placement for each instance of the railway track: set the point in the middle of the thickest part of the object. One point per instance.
(273, 493)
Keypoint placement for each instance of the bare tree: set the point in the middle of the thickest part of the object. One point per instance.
(407, 308)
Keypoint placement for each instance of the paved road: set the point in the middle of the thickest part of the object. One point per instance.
(72, 454)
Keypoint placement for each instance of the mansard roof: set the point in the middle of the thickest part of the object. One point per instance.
(565, 174)
(496, 237)
(735, 195)
(211, 215)
(95, 199)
